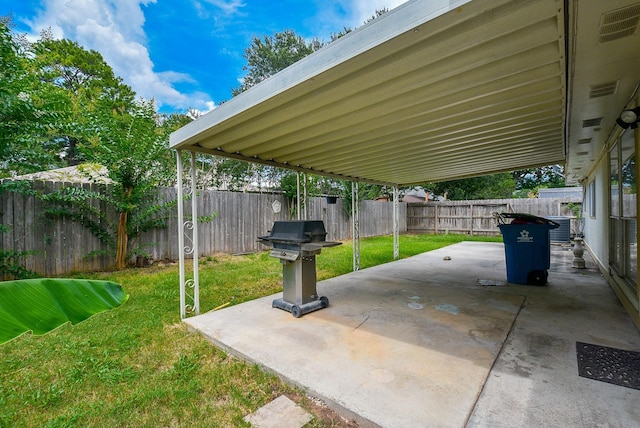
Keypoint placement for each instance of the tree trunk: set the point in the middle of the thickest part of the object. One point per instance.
(121, 242)
(123, 237)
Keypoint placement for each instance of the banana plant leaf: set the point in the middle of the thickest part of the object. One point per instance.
(43, 304)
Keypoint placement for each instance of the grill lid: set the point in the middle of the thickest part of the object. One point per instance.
(308, 236)
(296, 232)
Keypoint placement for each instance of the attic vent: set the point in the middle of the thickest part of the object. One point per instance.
(603, 89)
(584, 141)
(620, 23)
(591, 122)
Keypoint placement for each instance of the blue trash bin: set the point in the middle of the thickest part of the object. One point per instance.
(527, 247)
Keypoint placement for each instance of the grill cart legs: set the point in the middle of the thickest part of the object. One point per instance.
(299, 294)
(298, 310)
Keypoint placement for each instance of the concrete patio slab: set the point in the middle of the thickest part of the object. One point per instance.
(419, 342)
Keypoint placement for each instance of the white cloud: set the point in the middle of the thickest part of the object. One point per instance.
(221, 11)
(115, 29)
(229, 7)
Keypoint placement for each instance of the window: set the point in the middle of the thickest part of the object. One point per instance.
(628, 201)
(623, 252)
(591, 195)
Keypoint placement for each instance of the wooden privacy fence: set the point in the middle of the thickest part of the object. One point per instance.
(242, 217)
(476, 217)
(61, 245)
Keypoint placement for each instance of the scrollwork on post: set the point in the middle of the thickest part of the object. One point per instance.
(188, 247)
(190, 307)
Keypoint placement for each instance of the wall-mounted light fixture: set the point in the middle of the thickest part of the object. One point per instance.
(629, 118)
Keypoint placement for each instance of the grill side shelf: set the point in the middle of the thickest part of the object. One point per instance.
(288, 255)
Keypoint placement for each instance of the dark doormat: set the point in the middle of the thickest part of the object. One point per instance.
(609, 365)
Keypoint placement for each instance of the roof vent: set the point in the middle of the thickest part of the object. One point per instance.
(584, 141)
(588, 123)
(619, 23)
(603, 89)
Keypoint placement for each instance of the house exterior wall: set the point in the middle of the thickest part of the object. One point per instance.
(597, 224)
(596, 227)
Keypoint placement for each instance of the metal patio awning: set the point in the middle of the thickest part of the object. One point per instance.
(430, 91)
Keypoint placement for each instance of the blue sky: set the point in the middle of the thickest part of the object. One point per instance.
(184, 53)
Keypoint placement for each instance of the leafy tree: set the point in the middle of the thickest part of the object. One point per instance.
(528, 181)
(46, 89)
(347, 30)
(271, 54)
(234, 175)
(88, 81)
(85, 73)
(289, 186)
(29, 109)
(265, 57)
(134, 150)
(14, 108)
(366, 192)
(495, 186)
(62, 104)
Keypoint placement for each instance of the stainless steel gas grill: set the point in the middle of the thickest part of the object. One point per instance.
(296, 244)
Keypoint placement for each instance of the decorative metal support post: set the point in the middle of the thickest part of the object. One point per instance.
(194, 226)
(299, 204)
(183, 312)
(305, 197)
(193, 306)
(355, 223)
(396, 225)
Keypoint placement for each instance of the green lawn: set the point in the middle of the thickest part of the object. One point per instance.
(138, 365)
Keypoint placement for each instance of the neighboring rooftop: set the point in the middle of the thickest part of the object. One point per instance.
(82, 173)
(560, 192)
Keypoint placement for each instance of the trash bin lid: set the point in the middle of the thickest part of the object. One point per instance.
(523, 218)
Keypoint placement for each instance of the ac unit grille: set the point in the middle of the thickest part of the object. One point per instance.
(591, 122)
(603, 89)
(620, 23)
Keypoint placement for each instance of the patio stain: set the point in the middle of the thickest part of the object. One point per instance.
(452, 309)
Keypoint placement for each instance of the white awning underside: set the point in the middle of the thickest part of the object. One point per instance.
(427, 92)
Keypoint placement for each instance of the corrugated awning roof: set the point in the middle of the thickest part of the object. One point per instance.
(430, 91)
